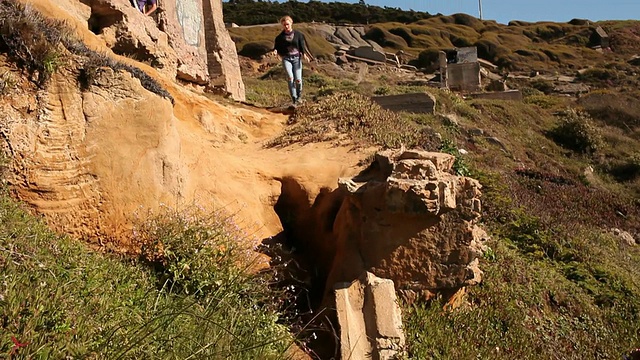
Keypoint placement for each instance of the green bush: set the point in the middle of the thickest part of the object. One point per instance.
(577, 132)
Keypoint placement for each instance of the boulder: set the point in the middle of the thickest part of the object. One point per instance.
(412, 221)
(625, 236)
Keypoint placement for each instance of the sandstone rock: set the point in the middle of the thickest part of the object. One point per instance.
(68, 164)
(410, 221)
(370, 319)
(128, 32)
(190, 41)
(347, 37)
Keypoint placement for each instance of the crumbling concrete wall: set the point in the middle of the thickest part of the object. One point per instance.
(368, 52)
(414, 103)
(370, 319)
(464, 77)
(463, 73)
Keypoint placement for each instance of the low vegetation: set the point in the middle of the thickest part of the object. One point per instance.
(561, 178)
(189, 296)
(558, 283)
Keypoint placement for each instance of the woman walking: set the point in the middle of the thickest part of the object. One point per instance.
(291, 46)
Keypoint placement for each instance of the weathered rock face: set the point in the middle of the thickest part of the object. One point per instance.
(406, 218)
(67, 158)
(349, 36)
(411, 221)
(189, 41)
(128, 32)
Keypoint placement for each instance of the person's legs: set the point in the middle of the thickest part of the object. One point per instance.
(297, 74)
(288, 65)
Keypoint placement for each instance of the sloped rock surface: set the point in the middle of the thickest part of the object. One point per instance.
(346, 36)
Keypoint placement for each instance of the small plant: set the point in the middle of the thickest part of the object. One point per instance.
(51, 62)
(382, 90)
(577, 132)
(460, 167)
(317, 80)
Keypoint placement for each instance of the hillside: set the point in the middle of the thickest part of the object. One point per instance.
(174, 187)
(560, 174)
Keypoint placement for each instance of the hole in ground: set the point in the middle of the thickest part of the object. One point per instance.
(301, 257)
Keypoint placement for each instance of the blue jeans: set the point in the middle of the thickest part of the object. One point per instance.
(293, 66)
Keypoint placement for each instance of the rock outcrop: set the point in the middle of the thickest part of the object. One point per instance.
(185, 39)
(410, 220)
(406, 218)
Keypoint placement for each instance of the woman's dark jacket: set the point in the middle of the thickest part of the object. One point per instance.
(282, 46)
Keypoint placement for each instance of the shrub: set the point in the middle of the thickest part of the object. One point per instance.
(576, 132)
(404, 33)
(428, 59)
(63, 300)
(626, 170)
(382, 90)
(31, 39)
(460, 166)
(7, 83)
(351, 114)
(544, 101)
(386, 39)
(543, 86)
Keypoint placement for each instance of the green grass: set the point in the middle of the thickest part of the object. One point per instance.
(196, 300)
(557, 283)
(552, 288)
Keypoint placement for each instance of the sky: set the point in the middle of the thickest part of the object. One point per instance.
(504, 11)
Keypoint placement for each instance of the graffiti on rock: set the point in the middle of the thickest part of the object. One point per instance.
(190, 18)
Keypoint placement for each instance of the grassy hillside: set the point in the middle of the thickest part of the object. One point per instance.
(560, 175)
(189, 294)
(551, 48)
